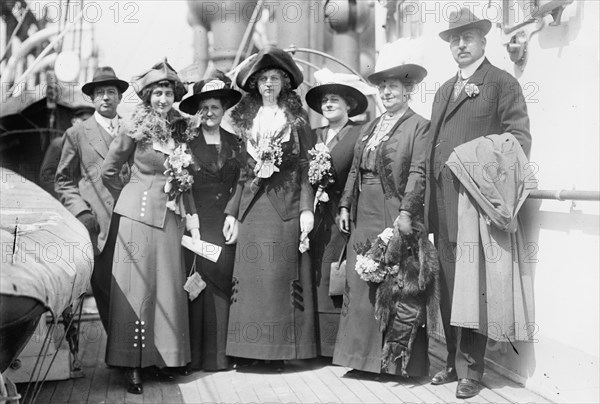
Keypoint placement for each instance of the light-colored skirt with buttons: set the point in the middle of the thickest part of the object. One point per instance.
(148, 317)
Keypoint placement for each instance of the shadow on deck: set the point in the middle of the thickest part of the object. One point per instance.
(306, 381)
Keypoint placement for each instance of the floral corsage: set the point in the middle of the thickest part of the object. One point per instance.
(370, 261)
(269, 153)
(471, 89)
(320, 171)
(179, 180)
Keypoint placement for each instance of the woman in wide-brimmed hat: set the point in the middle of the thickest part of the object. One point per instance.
(148, 321)
(337, 98)
(217, 154)
(271, 314)
(385, 185)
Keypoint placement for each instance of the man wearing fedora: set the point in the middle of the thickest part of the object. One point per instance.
(79, 179)
(477, 101)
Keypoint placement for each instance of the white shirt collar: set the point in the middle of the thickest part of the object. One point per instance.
(105, 122)
(467, 72)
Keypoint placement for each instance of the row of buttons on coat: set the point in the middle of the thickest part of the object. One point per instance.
(143, 210)
(140, 330)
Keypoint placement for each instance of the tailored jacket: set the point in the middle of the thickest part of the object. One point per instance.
(400, 164)
(227, 175)
(498, 108)
(79, 174)
(143, 198)
(341, 148)
(493, 284)
(288, 190)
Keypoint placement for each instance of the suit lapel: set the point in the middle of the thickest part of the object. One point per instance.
(476, 79)
(95, 136)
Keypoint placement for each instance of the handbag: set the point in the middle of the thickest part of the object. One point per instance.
(194, 284)
(337, 275)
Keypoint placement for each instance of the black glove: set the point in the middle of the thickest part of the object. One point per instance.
(89, 221)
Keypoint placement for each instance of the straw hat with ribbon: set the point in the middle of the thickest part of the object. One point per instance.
(215, 87)
(399, 60)
(347, 86)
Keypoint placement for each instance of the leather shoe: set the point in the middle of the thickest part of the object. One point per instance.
(444, 376)
(277, 366)
(162, 374)
(133, 377)
(467, 388)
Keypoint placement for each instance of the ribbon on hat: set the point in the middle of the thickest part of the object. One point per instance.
(213, 85)
(326, 76)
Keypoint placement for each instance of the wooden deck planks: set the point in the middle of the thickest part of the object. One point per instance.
(310, 381)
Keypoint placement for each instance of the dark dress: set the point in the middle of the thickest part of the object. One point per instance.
(327, 242)
(218, 173)
(380, 183)
(272, 308)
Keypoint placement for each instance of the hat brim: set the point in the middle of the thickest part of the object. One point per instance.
(88, 88)
(270, 58)
(407, 73)
(314, 96)
(227, 96)
(484, 25)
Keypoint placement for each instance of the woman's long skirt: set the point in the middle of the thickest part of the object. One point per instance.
(359, 340)
(272, 310)
(148, 316)
(209, 312)
(327, 244)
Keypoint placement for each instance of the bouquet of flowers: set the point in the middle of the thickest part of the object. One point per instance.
(269, 156)
(320, 171)
(179, 179)
(371, 264)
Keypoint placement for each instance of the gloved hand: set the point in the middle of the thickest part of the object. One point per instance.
(230, 230)
(89, 221)
(307, 221)
(404, 222)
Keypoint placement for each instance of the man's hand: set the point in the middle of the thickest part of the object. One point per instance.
(89, 221)
(307, 221)
(344, 220)
(230, 229)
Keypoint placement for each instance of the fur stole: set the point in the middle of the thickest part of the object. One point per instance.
(414, 289)
(146, 126)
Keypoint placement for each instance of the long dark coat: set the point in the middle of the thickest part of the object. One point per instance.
(272, 308)
(214, 183)
(327, 242)
(400, 160)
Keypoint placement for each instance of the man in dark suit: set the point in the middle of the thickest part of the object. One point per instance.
(79, 179)
(480, 100)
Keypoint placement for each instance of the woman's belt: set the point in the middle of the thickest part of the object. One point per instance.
(369, 178)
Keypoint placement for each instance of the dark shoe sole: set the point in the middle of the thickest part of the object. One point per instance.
(446, 381)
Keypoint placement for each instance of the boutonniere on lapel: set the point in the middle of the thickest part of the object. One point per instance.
(471, 89)
(179, 180)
